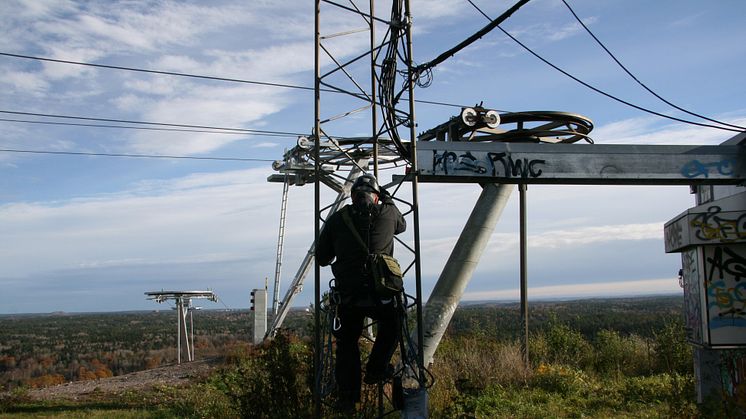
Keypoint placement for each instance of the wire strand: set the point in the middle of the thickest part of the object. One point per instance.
(161, 72)
(149, 156)
(195, 76)
(597, 90)
(629, 73)
(25, 121)
(125, 121)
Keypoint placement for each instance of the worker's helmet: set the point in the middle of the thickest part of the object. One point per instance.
(366, 183)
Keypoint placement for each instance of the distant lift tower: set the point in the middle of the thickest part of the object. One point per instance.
(259, 308)
(183, 308)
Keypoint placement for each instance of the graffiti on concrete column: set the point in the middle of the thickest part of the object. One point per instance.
(673, 235)
(692, 296)
(733, 376)
(715, 225)
(725, 270)
(725, 262)
(501, 164)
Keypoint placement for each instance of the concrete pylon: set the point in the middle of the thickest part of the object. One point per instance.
(461, 264)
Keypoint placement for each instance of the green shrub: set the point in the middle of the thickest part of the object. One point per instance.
(620, 355)
(203, 401)
(567, 346)
(672, 352)
(561, 379)
(271, 383)
(651, 389)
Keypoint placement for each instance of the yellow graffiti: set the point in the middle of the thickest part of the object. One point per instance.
(724, 230)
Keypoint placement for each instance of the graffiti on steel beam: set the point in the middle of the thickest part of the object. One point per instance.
(696, 168)
(712, 225)
(725, 267)
(502, 164)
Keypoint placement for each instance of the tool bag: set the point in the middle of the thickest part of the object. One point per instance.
(384, 270)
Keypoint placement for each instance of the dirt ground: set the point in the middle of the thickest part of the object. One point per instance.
(173, 375)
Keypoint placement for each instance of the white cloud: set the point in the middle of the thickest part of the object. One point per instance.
(189, 219)
(25, 82)
(606, 289)
(597, 234)
(649, 130)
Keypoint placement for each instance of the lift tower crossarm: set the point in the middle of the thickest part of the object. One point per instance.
(514, 163)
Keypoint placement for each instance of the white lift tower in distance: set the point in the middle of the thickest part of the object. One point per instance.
(259, 308)
(183, 307)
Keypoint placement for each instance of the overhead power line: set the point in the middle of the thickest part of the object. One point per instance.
(597, 90)
(148, 156)
(470, 40)
(125, 121)
(166, 73)
(638, 81)
(195, 76)
(74, 124)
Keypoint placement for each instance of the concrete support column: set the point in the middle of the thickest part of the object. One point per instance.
(461, 264)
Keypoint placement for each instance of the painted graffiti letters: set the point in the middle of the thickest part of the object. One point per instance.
(501, 164)
(523, 168)
(696, 168)
(726, 261)
(692, 296)
(673, 235)
(452, 163)
(713, 226)
(725, 267)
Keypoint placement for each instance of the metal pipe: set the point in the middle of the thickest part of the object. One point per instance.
(461, 264)
(191, 333)
(524, 269)
(415, 194)
(178, 330)
(373, 84)
(316, 212)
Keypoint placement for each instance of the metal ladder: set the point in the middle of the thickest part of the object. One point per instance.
(280, 244)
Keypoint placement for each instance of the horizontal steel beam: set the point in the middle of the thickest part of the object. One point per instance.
(455, 161)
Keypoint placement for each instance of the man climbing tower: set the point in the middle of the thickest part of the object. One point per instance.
(352, 238)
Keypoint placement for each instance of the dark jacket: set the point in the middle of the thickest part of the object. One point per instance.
(337, 242)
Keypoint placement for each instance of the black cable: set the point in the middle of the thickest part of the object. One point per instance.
(125, 121)
(149, 156)
(597, 90)
(142, 128)
(641, 83)
(470, 40)
(166, 73)
(195, 76)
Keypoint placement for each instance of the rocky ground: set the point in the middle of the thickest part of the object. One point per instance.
(173, 375)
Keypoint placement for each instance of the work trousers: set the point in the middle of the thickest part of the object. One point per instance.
(351, 317)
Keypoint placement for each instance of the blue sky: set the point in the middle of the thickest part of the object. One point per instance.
(84, 233)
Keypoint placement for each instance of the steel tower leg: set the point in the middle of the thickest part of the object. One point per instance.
(178, 330)
(461, 264)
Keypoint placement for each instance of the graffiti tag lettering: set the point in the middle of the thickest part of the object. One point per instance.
(711, 226)
(725, 266)
(696, 168)
(486, 164)
(692, 295)
(523, 168)
(726, 261)
(673, 236)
